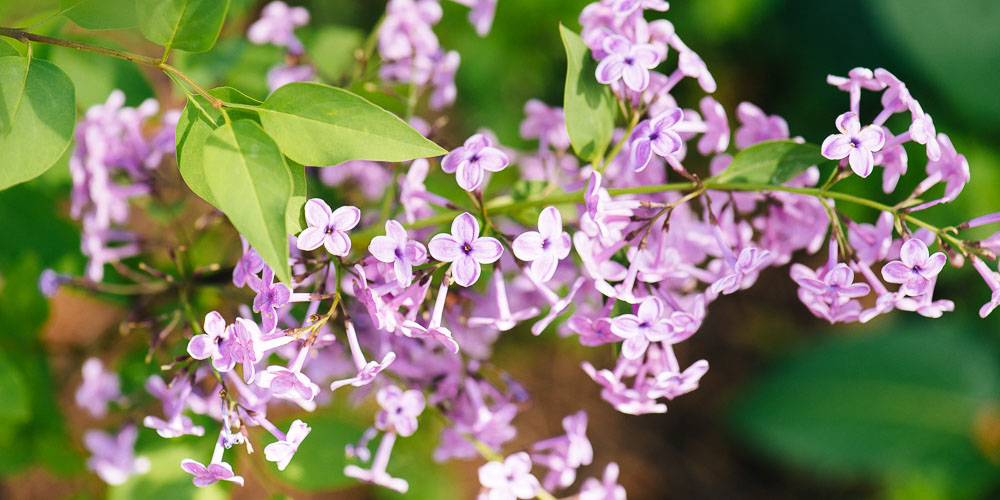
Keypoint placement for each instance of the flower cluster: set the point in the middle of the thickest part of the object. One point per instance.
(111, 163)
(390, 298)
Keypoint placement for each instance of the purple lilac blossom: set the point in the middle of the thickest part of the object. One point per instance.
(328, 227)
(471, 161)
(465, 249)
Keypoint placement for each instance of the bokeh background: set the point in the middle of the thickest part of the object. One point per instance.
(901, 408)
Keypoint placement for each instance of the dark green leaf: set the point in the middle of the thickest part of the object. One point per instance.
(194, 127)
(16, 405)
(320, 125)
(100, 14)
(251, 184)
(589, 106)
(7, 49)
(771, 162)
(37, 116)
(902, 402)
(191, 25)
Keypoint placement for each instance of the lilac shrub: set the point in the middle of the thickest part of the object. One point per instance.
(624, 249)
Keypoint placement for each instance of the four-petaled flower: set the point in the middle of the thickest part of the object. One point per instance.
(916, 269)
(328, 228)
(240, 346)
(282, 451)
(655, 136)
(396, 249)
(206, 345)
(855, 143)
(270, 297)
(399, 410)
(285, 383)
(627, 62)
(465, 249)
(204, 476)
(472, 160)
(509, 479)
(546, 247)
(640, 329)
(837, 284)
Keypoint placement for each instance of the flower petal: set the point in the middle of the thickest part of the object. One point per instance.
(896, 272)
(465, 228)
(345, 218)
(466, 270)
(609, 70)
(528, 246)
(383, 248)
(469, 175)
(636, 77)
(492, 159)
(914, 252)
(486, 250)
(640, 154)
(444, 248)
(317, 213)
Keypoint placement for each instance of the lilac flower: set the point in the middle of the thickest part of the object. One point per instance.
(510, 479)
(916, 269)
(283, 74)
(249, 265)
(504, 319)
(399, 410)
(328, 228)
(241, 348)
(213, 473)
(838, 283)
(744, 270)
(396, 249)
(607, 488)
(444, 80)
(655, 136)
(206, 345)
(922, 131)
(50, 281)
(367, 370)
(406, 30)
(951, 168)
(756, 126)
(691, 65)
(472, 160)
(377, 474)
(465, 249)
(282, 451)
(547, 124)
(624, 8)
(715, 139)
(99, 387)
(177, 426)
(992, 279)
(546, 247)
(855, 143)
(627, 62)
(277, 24)
(285, 383)
(671, 381)
(434, 330)
(640, 329)
(113, 457)
(481, 15)
(871, 243)
(270, 297)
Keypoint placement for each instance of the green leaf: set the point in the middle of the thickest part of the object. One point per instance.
(879, 406)
(295, 217)
(100, 14)
(37, 116)
(771, 162)
(95, 75)
(194, 127)
(191, 25)
(320, 125)
(7, 49)
(589, 106)
(252, 184)
(337, 44)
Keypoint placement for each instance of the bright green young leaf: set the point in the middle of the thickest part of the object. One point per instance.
(191, 25)
(37, 115)
(294, 216)
(320, 125)
(193, 128)
(878, 406)
(251, 184)
(95, 75)
(100, 14)
(771, 162)
(589, 106)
